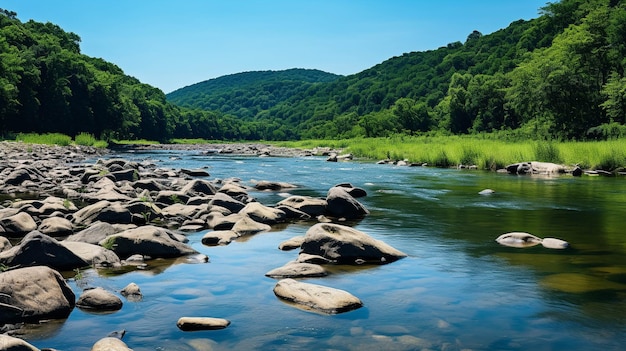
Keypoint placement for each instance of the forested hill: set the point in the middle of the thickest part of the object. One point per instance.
(246, 94)
(561, 75)
(558, 76)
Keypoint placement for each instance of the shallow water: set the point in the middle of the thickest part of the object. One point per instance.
(457, 289)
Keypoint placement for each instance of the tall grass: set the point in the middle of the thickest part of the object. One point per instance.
(484, 152)
(48, 138)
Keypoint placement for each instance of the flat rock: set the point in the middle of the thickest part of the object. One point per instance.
(248, 226)
(18, 224)
(263, 214)
(297, 270)
(201, 323)
(316, 297)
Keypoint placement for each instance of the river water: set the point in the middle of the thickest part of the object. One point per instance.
(457, 289)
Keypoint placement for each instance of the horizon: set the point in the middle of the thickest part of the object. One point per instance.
(174, 46)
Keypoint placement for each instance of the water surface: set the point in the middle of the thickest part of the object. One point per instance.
(457, 289)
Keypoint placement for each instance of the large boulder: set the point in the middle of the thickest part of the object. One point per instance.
(346, 245)
(199, 187)
(148, 241)
(310, 205)
(39, 293)
(316, 297)
(18, 224)
(342, 205)
(37, 249)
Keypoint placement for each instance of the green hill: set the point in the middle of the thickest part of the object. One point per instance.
(246, 94)
(557, 76)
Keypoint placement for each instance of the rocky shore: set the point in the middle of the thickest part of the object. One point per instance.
(70, 208)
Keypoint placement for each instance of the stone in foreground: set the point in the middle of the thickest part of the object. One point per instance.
(316, 297)
(99, 299)
(110, 344)
(38, 293)
(15, 344)
(201, 323)
(345, 245)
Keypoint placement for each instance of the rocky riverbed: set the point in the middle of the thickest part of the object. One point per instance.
(67, 208)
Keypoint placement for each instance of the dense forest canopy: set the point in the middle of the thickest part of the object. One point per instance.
(558, 76)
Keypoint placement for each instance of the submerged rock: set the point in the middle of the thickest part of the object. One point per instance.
(99, 299)
(518, 239)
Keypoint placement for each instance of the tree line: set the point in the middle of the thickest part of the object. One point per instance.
(560, 75)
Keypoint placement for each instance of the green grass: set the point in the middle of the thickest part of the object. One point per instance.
(83, 139)
(47, 138)
(486, 152)
(136, 142)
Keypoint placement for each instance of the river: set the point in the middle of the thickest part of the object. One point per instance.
(457, 290)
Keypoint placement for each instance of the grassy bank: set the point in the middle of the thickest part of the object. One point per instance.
(83, 139)
(486, 153)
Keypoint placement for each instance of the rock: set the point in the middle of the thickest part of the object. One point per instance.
(518, 239)
(5, 244)
(316, 297)
(201, 323)
(110, 344)
(103, 211)
(293, 213)
(486, 192)
(219, 237)
(56, 226)
(275, 186)
(9, 343)
(195, 172)
(553, 243)
(93, 254)
(307, 204)
(297, 270)
(263, 214)
(94, 233)
(18, 224)
(37, 249)
(40, 292)
(342, 205)
(217, 220)
(99, 299)
(132, 292)
(292, 243)
(224, 200)
(346, 245)
(148, 241)
(248, 226)
(352, 190)
(198, 187)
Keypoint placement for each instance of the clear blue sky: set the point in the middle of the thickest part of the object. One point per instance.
(172, 44)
